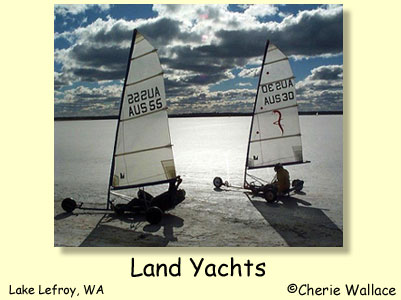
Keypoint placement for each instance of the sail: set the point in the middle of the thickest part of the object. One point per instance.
(275, 135)
(143, 152)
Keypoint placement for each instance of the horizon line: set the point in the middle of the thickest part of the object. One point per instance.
(194, 115)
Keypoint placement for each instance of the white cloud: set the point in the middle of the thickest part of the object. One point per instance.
(261, 10)
(249, 73)
(283, 15)
(76, 9)
(322, 89)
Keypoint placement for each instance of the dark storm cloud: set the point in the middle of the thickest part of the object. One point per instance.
(312, 35)
(239, 43)
(160, 32)
(95, 74)
(104, 58)
(204, 61)
(117, 34)
(165, 31)
(188, 84)
(91, 64)
(113, 57)
(205, 67)
(192, 59)
(205, 79)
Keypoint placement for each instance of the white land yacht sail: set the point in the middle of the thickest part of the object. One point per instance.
(142, 151)
(275, 135)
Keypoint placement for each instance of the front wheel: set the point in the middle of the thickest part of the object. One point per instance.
(270, 196)
(218, 182)
(69, 205)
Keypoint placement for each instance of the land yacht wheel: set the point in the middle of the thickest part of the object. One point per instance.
(69, 205)
(270, 196)
(218, 182)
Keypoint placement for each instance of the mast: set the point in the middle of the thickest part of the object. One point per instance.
(119, 117)
(253, 112)
(142, 153)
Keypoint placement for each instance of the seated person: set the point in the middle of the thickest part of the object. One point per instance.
(165, 201)
(282, 179)
(171, 198)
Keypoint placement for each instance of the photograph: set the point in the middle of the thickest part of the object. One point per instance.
(198, 125)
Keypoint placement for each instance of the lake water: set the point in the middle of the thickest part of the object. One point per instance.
(203, 148)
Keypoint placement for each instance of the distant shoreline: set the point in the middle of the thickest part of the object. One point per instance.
(194, 115)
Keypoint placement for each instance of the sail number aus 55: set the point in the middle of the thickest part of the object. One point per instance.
(144, 101)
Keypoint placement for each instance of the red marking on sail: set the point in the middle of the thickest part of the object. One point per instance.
(278, 121)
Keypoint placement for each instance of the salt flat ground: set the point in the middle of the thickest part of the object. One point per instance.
(203, 148)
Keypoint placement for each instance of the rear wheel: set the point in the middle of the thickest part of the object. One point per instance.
(297, 185)
(270, 196)
(153, 215)
(218, 182)
(69, 205)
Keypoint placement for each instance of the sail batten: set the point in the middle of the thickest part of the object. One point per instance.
(272, 82)
(139, 39)
(275, 135)
(270, 110)
(143, 151)
(142, 80)
(275, 61)
(144, 54)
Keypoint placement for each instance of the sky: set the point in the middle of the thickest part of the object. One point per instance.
(210, 54)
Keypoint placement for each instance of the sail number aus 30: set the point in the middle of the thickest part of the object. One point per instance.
(282, 95)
